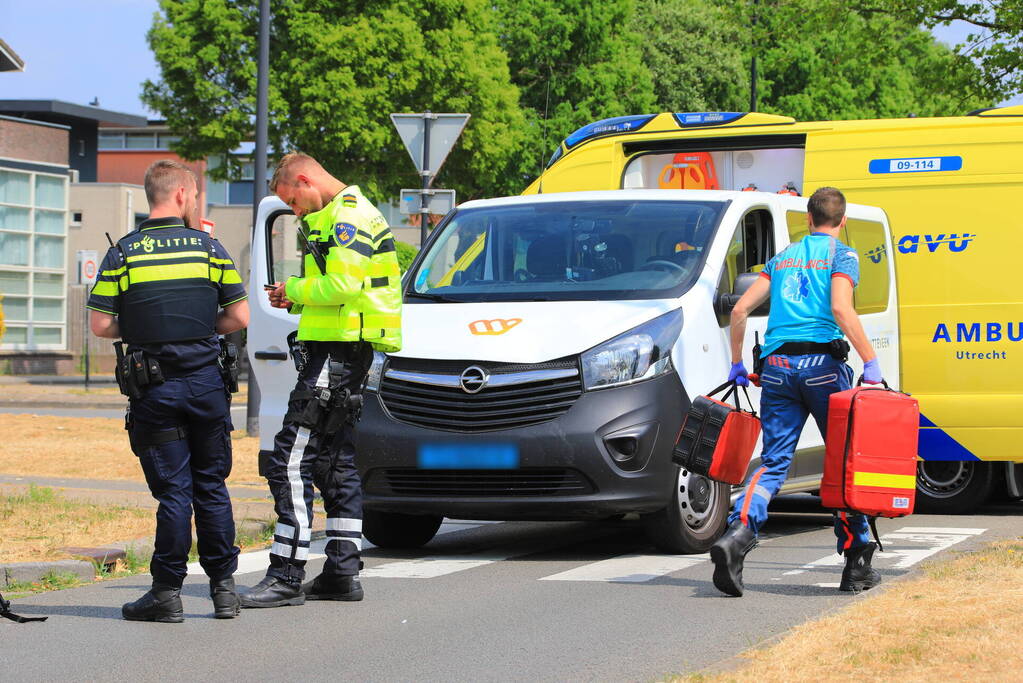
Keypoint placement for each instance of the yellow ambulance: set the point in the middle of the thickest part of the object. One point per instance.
(951, 188)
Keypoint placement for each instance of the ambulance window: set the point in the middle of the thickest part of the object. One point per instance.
(796, 221)
(751, 246)
(868, 239)
(285, 247)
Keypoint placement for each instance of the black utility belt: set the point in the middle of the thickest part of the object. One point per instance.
(837, 349)
(135, 370)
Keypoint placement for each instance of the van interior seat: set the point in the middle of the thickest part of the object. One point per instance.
(619, 248)
(545, 258)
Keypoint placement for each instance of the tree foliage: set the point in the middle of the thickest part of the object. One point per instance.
(532, 71)
(338, 70)
(995, 43)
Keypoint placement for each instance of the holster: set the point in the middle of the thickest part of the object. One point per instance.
(227, 362)
(326, 408)
(142, 439)
(758, 361)
(839, 350)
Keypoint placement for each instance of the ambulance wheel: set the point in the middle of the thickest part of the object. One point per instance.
(952, 488)
(397, 530)
(695, 517)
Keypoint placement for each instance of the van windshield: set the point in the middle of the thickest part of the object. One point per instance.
(563, 251)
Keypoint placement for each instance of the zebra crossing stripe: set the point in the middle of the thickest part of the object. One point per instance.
(632, 568)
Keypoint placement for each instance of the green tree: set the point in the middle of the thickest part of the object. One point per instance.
(695, 53)
(995, 43)
(818, 60)
(574, 61)
(337, 71)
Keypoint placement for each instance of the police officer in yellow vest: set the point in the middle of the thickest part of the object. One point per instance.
(349, 300)
(159, 290)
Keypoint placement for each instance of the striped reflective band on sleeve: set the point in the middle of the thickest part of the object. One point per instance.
(106, 288)
(345, 529)
(225, 277)
(888, 481)
(383, 269)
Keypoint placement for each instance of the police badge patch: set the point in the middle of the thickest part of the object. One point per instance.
(344, 234)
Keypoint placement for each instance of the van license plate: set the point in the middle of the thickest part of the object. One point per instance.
(447, 456)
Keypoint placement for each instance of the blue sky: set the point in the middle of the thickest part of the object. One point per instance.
(75, 50)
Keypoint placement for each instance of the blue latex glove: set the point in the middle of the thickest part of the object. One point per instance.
(872, 372)
(738, 374)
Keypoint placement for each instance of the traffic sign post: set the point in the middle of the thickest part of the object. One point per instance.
(88, 271)
(428, 137)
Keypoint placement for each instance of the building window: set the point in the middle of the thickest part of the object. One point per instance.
(33, 247)
(111, 141)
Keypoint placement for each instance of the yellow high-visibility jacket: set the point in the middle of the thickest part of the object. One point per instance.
(359, 297)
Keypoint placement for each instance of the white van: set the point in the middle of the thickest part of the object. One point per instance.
(553, 344)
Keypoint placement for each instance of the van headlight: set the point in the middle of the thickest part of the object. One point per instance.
(376, 369)
(641, 353)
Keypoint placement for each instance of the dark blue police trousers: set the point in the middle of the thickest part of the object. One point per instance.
(191, 414)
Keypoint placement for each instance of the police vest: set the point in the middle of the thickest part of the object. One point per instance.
(168, 289)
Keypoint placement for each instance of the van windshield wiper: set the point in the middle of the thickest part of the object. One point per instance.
(432, 297)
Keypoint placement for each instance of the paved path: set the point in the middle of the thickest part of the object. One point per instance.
(490, 602)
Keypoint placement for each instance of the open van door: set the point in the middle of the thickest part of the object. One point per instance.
(276, 254)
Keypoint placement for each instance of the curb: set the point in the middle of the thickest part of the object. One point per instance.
(30, 572)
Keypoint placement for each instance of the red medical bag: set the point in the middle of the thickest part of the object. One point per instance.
(717, 439)
(870, 452)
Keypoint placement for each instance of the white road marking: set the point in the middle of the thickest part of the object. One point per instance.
(935, 539)
(432, 567)
(259, 560)
(631, 568)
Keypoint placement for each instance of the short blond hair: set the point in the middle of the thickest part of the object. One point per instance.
(287, 166)
(165, 176)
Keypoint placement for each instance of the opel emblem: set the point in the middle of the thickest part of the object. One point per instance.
(473, 379)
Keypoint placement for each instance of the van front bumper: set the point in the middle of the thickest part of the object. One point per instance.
(609, 454)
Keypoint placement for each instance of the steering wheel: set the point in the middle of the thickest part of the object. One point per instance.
(661, 264)
(522, 275)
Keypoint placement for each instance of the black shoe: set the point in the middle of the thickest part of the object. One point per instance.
(858, 575)
(225, 598)
(272, 592)
(346, 588)
(728, 554)
(162, 603)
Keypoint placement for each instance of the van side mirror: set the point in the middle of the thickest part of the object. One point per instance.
(726, 301)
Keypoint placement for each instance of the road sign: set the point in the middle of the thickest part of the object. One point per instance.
(88, 267)
(444, 130)
(440, 202)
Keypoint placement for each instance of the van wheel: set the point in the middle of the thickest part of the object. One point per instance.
(952, 488)
(397, 530)
(695, 517)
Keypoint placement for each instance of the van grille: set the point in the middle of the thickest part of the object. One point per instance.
(536, 481)
(450, 408)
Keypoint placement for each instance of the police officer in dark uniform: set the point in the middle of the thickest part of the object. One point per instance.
(167, 290)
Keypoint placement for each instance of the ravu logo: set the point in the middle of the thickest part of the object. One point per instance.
(910, 244)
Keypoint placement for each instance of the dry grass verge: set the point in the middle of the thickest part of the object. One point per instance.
(92, 448)
(37, 524)
(959, 621)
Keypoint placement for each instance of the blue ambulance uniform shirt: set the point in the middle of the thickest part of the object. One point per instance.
(179, 357)
(801, 290)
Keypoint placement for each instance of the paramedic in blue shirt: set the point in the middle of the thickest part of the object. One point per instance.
(810, 285)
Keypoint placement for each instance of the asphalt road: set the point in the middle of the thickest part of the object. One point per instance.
(489, 601)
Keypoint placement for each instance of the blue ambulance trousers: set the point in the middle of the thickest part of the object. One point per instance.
(304, 456)
(792, 388)
(190, 417)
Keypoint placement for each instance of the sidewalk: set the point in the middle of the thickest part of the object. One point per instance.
(252, 506)
(68, 391)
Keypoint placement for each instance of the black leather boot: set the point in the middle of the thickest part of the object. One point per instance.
(272, 592)
(858, 575)
(346, 588)
(728, 555)
(162, 603)
(225, 598)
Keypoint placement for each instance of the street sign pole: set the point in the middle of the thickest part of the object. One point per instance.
(88, 270)
(428, 137)
(424, 211)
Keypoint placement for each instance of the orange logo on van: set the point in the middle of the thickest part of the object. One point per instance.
(496, 326)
